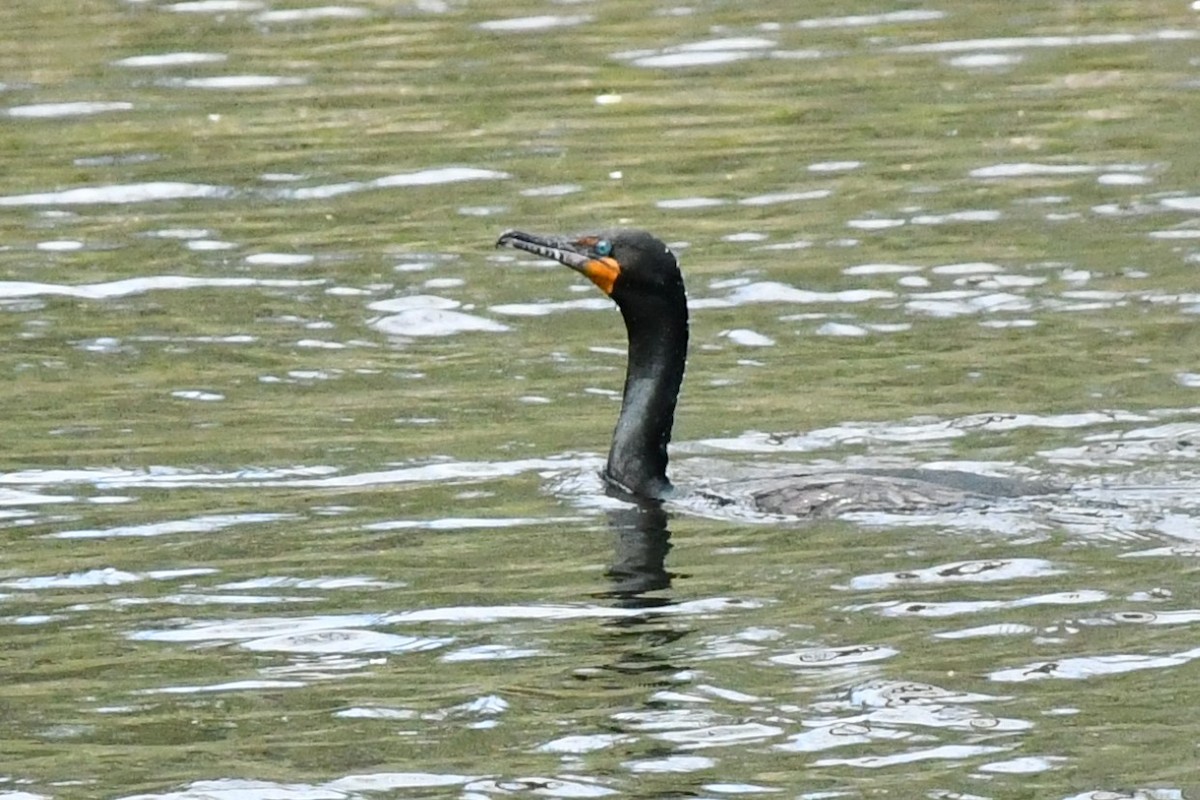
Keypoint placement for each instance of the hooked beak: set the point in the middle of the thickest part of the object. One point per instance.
(575, 253)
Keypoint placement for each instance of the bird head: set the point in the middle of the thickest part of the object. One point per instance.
(626, 264)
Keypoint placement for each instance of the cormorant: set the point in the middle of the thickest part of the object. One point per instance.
(641, 274)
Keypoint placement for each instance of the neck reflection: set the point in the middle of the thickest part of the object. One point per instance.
(640, 546)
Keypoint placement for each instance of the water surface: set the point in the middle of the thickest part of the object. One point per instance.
(298, 473)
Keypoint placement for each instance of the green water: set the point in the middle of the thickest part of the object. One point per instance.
(254, 540)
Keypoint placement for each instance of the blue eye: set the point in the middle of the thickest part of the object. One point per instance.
(603, 247)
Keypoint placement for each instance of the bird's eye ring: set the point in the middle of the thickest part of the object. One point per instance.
(603, 248)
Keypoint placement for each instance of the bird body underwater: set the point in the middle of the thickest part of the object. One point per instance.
(641, 274)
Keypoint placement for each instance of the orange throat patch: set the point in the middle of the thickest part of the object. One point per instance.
(603, 272)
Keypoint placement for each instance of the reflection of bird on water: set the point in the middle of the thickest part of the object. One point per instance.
(640, 553)
(640, 273)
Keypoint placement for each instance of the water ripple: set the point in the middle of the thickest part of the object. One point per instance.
(175, 190)
(535, 23)
(1020, 42)
(76, 109)
(213, 6)
(986, 571)
(703, 53)
(1084, 667)
(120, 193)
(135, 286)
(171, 59)
(310, 14)
(949, 752)
(953, 608)
(205, 524)
(865, 20)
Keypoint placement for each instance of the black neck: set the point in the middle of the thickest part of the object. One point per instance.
(658, 334)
